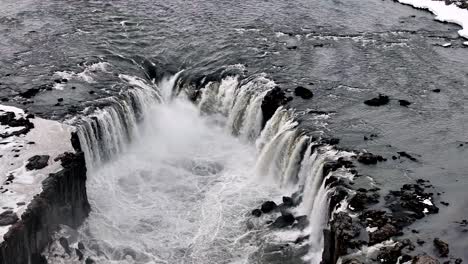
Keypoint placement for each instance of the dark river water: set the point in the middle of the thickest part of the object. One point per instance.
(344, 51)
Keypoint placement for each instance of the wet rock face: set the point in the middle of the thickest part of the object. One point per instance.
(338, 238)
(378, 101)
(37, 162)
(272, 100)
(362, 199)
(442, 247)
(8, 218)
(303, 92)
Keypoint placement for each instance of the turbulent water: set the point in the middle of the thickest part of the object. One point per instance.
(174, 181)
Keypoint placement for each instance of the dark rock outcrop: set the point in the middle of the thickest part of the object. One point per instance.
(268, 206)
(303, 92)
(63, 201)
(378, 101)
(37, 162)
(272, 100)
(283, 221)
(337, 239)
(7, 218)
(404, 103)
(369, 158)
(383, 233)
(9, 119)
(257, 212)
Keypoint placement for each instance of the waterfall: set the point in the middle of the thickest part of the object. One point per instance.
(286, 156)
(107, 130)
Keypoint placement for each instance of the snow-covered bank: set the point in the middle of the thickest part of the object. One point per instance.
(42, 183)
(445, 13)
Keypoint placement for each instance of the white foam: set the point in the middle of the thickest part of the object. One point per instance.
(51, 138)
(445, 13)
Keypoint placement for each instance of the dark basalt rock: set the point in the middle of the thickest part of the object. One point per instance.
(302, 222)
(337, 164)
(8, 218)
(268, 207)
(369, 158)
(37, 162)
(331, 141)
(272, 100)
(257, 212)
(408, 156)
(383, 233)
(89, 261)
(390, 255)
(404, 103)
(378, 101)
(283, 221)
(436, 90)
(442, 247)
(362, 200)
(303, 92)
(337, 239)
(30, 93)
(425, 259)
(288, 201)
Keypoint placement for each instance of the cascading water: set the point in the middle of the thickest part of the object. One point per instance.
(183, 189)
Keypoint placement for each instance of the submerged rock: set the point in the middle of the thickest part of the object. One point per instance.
(37, 162)
(378, 101)
(404, 103)
(303, 92)
(268, 206)
(257, 212)
(442, 247)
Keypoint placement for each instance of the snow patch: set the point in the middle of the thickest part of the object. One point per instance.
(445, 13)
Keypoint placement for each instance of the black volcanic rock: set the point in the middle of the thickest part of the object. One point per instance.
(268, 206)
(442, 247)
(408, 156)
(272, 100)
(404, 103)
(303, 92)
(288, 201)
(369, 158)
(8, 218)
(37, 162)
(378, 101)
(361, 200)
(283, 221)
(338, 238)
(257, 212)
(30, 93)
(384, 233)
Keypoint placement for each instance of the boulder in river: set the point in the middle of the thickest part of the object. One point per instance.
(369, 158)
(268, 206)
(272, 100)
(378, 101)
(257, 212)
(303, 92)
(425, 259)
